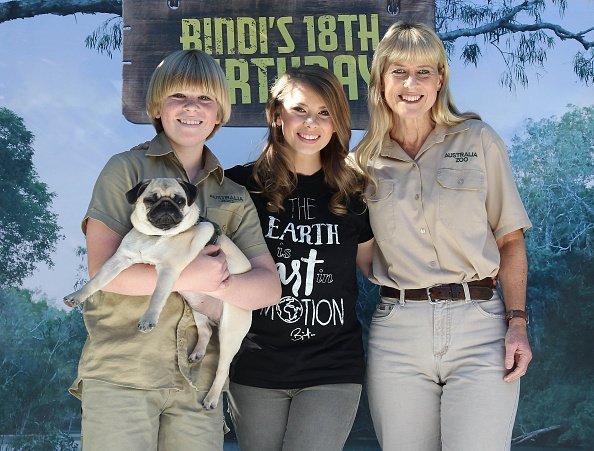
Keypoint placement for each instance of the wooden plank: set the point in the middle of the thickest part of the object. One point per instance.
(256, 40)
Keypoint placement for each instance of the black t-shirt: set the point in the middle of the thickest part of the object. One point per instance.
(312, 336)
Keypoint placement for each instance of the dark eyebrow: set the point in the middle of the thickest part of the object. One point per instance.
(300, 104)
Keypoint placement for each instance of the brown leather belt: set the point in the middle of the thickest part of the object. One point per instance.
(479, 289)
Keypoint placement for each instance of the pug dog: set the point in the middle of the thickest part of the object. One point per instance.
(167, 233)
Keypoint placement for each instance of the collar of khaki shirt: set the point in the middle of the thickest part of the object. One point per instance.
(392, 149)
(160, 147)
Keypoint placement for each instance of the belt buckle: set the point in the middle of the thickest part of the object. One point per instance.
(434, 301)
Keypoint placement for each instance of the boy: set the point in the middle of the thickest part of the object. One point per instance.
(138, 391)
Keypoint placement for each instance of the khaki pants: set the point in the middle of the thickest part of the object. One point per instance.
(435, 376)
(119, 418)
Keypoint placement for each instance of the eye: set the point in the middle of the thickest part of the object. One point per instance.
(148, 201)
(205, 98)
(299, 109)
(324, 113)
(179, 200)
(178, 95)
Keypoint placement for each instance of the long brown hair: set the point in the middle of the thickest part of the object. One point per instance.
(274, 172)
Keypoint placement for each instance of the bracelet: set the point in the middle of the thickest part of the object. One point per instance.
(517, 314)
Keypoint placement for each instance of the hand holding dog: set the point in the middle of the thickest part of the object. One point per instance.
(211, 265)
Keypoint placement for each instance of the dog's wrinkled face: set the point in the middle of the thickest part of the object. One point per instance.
(164, 206)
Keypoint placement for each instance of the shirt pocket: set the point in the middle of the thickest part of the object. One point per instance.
(462, 196)
(382, 216)
(227, 219)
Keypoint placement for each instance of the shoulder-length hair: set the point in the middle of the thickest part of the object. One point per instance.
(404, 42)
(274, 172)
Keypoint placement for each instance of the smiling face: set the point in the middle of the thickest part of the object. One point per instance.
(306, 125)
(410, 89)
(188, 117)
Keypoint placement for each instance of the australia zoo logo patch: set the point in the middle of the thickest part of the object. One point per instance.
(461, 157)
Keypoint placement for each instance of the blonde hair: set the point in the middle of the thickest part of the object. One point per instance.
(274, 173)
(404, 42)
(188, 69)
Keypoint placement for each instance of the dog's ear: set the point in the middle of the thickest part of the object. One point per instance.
(133, 195)
(191, 191)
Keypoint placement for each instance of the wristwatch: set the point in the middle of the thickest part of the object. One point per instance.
(517, 314)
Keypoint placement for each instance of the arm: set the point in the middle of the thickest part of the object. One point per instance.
(513, 273)
(254, 289)
(206, 273)
(364, 256)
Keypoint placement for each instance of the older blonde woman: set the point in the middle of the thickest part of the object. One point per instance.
(445, 351)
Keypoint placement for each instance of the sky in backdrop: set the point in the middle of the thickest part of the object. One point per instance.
(70, 99)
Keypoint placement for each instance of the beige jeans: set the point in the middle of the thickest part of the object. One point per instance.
(435, 376)
(119, 418)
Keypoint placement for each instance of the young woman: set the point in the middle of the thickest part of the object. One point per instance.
(445, 353)
(297, 384)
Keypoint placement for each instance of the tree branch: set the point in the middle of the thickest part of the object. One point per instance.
(502, 24)
(21, 9)
(531, 436)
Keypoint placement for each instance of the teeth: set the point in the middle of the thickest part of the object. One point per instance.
(188, 122)
(411, 98)
(309, 137)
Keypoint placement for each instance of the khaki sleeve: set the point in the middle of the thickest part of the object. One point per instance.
(505, 210)
(108, 203)
(248, 236)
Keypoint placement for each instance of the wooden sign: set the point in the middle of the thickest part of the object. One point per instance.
(256, 40)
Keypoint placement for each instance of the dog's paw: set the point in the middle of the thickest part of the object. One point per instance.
(146, 325)
(210, 402)
(195, 357)
(72, 300)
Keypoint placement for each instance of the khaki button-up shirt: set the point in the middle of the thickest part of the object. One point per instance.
(436, 217)
(115, 351)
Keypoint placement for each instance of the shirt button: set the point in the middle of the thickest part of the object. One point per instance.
(423, 230)
(460, 181)
(432, 264)
(414, 165)
(417, 197)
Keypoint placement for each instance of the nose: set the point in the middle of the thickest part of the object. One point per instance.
(190, 103)
(411, 80)
(311, 120)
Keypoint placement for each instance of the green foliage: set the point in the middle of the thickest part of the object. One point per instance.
(557, 388)
(367, 300)
(39, 350)
(107, 38)
(553, 161)
(554, 168)
(29, 230)
(59, 441)
(583, 65)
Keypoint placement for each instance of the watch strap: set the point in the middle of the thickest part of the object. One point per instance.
(517, 314)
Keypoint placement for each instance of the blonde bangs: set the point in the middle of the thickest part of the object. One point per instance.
(412, 45)
(188, 70)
